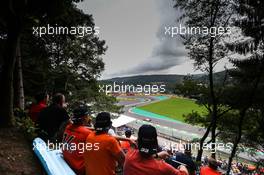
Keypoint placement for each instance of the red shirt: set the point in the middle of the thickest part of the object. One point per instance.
(35, 110)
(136, 164)
(125, 145)
(208, 171)
(74, 137)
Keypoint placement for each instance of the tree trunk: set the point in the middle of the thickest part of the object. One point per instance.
(213, 122)
(237, 140)
(20, 86)
(213, 131)
(200, 151)
(6, 79)
(213, 98)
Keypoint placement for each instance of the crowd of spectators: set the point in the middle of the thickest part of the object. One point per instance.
(105, 153)
(238, 168)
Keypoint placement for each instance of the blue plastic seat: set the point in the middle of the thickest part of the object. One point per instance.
(51, 160)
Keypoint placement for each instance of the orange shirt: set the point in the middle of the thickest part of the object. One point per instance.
(208, 171)
(135, 164)
(74, 137)
(104, 160)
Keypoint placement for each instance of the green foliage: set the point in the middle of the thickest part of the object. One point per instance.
(246, 93)
(17, 17)
(205, 49)
(25, 124)
(65, 63)
(195, 118)
(106, 103)
(227, 131)
(189, 88)
(252, 24)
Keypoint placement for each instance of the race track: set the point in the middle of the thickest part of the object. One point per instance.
(135, 101)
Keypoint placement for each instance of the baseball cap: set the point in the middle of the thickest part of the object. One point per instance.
(80, 112)
(102, 121)
(147, 139)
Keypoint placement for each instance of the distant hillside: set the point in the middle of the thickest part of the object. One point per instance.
(168, 79)
(147, 79)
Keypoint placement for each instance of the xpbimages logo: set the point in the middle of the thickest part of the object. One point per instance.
(173, 31)
(80, 31)
(146, 89)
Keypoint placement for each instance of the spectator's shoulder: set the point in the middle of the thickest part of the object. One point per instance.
(168, 169)
(110, 138)
(112, 141)
(90, 136)
(85, 130)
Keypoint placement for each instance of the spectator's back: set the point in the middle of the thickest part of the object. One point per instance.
(101, 161)
(41, 103)
(104, 153)
(142, 161)
(136, 164)
(74, 157)
(52, 118)
(74, 138)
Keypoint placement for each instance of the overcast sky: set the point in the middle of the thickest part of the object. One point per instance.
(134, 34)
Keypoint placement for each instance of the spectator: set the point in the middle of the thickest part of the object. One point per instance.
(142, 161)
(125, 145)
(52, 119)
(41, 103)
(211, 169)
(184, 158)
(104, 160)
(76, 133)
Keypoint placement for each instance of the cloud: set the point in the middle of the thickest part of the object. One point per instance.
(164, 56)
(169, 52)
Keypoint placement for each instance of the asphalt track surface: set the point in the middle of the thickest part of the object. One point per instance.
(138, 101)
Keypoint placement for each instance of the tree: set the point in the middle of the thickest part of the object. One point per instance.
(243, 97)
(206, 49)
(11, 14)
(249, 73)
(66, 63)
(14, 16)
